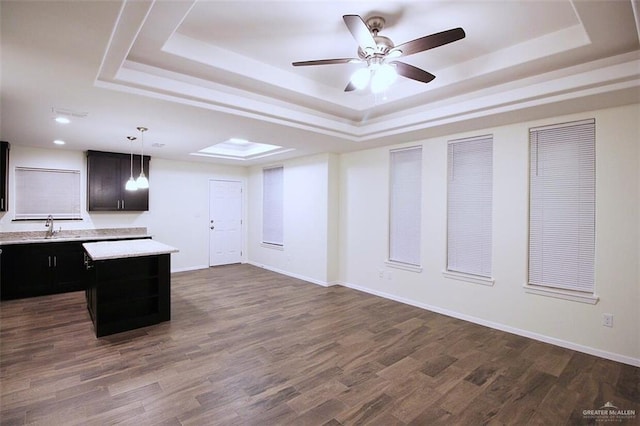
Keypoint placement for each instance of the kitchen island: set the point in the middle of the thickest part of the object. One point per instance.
(129, 284)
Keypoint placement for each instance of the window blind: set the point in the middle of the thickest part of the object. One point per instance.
(43, 192)
(562, 206)
(272, 206)
(405, 205)
(469, 205)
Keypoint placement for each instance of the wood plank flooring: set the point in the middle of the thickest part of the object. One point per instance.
(246, 346)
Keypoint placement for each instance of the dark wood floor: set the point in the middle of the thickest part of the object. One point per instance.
(250, 347)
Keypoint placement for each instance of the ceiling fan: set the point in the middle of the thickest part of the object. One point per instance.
(379, 53)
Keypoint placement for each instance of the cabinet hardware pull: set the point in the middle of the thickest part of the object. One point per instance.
(88, 264)
(55, 261)
(118, 204)
(122, 204)
(49, 257)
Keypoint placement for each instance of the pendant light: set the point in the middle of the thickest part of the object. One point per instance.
(131, 183)
(142, 182)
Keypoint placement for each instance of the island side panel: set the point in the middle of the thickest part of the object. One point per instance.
(164, 282)
(129, 293)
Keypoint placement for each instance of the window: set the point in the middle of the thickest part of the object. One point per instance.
(405, 205)
(272, 206)
(469, 205)
(43, 192)
(562, 206)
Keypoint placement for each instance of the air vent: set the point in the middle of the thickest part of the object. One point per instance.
(68, 112)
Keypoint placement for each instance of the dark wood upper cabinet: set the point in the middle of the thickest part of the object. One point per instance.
(4, 176)
(107, 175)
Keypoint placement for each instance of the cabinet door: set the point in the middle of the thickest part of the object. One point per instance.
(69, 273)
(104, 182)
(107, 175)
(137, 200)
(4, 176)
(25, 271)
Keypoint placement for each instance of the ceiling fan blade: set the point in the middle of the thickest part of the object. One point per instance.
(326, 62)
(360, 31)
(428, 42)
(412, 72)
(350, 87)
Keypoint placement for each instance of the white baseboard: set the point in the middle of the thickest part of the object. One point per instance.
(502, 327)
(189, 268)
(291, 274)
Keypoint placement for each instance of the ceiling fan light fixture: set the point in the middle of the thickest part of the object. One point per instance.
(383, 77)
(379, 53)
(360, 78)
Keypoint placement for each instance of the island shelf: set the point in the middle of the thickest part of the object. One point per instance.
(129, 284)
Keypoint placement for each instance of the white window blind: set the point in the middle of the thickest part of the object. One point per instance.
(43, 192)
(562, 206)
(405, 205)
(469, 205)
(272, 206)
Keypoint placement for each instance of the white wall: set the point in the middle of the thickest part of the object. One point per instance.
(178, 202)
(310, 237)
(364, 239)
(336, 229)
(179, 207)
(333, 217)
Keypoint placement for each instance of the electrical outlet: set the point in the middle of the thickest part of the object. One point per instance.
(607, 320)
(389, 276)
(380, 273)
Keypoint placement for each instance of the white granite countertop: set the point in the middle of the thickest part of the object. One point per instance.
(106, 250)
(36, 237)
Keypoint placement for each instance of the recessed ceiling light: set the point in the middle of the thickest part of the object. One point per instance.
(59, 142)
(63, 120)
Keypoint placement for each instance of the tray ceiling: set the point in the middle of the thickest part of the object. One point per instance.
(198, 73)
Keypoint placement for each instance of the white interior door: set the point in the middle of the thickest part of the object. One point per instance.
(225, 222)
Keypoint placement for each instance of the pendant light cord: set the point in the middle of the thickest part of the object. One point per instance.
(142, 181)
(142, 130)
(131, 139)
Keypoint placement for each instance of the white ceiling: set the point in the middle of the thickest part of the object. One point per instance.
(197, 73)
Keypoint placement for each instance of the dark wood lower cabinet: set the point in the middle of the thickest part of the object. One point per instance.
(30, 270)
(38, 269)
(128, 293)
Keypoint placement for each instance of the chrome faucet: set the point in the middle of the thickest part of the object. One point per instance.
(49, 225)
